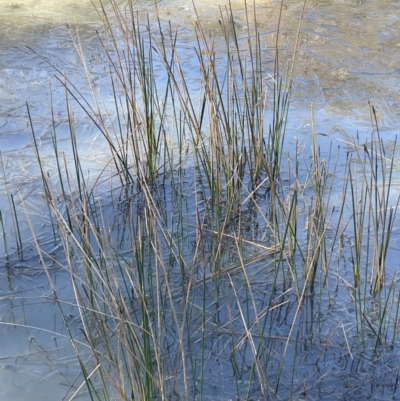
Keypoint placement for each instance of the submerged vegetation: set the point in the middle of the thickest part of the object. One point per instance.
(220, 263)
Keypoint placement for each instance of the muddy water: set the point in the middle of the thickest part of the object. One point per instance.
(347, 56)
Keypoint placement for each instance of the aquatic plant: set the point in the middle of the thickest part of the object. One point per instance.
(215, 255)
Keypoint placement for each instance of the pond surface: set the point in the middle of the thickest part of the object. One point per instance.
(348, 55)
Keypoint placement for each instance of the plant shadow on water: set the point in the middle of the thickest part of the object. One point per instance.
(220, 263)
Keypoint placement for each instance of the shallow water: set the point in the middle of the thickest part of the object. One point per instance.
(347, 56)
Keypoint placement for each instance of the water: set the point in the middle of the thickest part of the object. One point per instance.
(347, 56)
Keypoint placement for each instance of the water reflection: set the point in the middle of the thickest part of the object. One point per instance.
(37, 361)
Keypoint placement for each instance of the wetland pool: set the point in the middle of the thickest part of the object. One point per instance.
(347, 60)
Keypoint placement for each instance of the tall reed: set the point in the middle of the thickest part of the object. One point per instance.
(212, 258)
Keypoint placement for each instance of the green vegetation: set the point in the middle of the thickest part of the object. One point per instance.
(215, 266)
